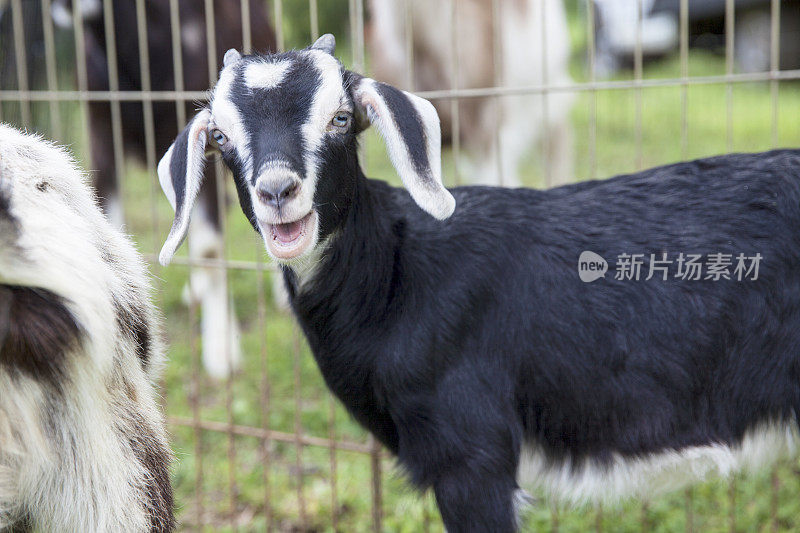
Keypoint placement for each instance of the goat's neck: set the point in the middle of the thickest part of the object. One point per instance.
(344, 310)
(356, 262)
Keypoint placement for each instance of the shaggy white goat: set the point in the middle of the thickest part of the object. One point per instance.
(82, 441)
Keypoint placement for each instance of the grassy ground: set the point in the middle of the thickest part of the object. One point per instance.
(222, 482)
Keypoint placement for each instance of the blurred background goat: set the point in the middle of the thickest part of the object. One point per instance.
(484, 44)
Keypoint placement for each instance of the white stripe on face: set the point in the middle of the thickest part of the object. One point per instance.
(263, 75)
(225, 116)
(328, 99)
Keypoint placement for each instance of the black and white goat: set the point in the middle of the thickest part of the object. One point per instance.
(463, 337)
(220, 329)
(82, 442)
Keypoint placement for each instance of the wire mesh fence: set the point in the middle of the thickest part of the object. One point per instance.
(268, 448)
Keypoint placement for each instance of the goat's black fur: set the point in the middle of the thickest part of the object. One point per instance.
(131, 323)
(455, 341)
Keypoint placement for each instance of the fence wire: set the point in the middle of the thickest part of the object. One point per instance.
(257, 454)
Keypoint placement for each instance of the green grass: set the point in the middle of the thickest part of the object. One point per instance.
(240, 480)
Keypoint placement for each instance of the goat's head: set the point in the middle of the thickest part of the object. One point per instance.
(286, 126)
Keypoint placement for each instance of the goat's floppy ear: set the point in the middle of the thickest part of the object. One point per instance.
(180, 172)
(410, 128)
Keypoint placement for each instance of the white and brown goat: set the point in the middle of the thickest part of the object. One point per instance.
(82, 441)
(481, 44)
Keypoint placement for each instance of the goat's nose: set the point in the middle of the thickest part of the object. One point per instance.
(277, 192)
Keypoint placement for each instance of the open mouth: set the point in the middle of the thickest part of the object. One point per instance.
(291, 239)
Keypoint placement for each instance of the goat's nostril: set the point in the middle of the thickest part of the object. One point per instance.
(275, 193)
(265, 196)
(289, 191)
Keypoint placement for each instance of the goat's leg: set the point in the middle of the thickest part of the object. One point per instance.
(477, 501)
(520, 130)
(207, 285)
(465, 443)
(102, 151)
(559, 142)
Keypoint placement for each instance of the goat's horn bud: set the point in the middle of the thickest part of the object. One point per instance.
(231, 57)
(326, 43)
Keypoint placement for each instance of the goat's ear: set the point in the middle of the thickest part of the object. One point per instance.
(180, 172)
(410, 128)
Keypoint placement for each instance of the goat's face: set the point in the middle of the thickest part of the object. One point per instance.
(286, 126)
(278, 120)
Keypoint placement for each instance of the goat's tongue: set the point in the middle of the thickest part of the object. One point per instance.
(286, 233)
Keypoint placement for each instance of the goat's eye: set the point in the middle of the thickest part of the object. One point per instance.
(341, 120)
(219, 137)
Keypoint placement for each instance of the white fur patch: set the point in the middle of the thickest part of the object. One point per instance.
(590, 482)
(62, 15)
(265, 75)
(165, 177)
(90, 8)
(225, 116)
(305, 266)
(328, 99)
(192, 36)
(222, 353)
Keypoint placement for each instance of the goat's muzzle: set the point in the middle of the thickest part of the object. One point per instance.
(285, 213)
(276, 192)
